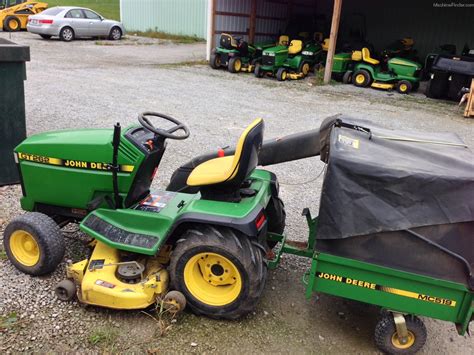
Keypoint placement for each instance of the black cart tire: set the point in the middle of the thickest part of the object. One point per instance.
(219, 270)
(282, 74)
(258, 72)
(115, 33)
(386, 336)
(276, 216)
(12, 24)
(347, 77)
(66, 34)
(34, 244)
(234, 65)
(404, 87)
(215, 61)
(45, 36)
(361, 78)
(65, 290)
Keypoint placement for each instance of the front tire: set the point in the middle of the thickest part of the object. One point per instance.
(34, 244)
(66, 34)
(219, 270)
(115, 34)
(215, 61)
(386, 336)
(404, 87)
(361, 78)
(282, 74)
(235, 65)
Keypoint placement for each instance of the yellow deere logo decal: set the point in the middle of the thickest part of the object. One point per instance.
(77, 164)
(395, 291)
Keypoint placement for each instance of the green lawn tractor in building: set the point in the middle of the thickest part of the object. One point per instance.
(237, 55)
(399, 73)
(292, 62)
(343, 67)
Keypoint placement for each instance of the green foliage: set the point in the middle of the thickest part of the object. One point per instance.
(9, 321)
(104, 336)
(110, 9)
(3, 255)
(168, 36)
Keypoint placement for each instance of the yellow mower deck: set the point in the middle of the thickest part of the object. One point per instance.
(98, 284)
(384, 86)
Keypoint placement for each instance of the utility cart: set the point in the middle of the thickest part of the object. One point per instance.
(395, 228)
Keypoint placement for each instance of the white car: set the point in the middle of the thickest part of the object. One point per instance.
(69, 23)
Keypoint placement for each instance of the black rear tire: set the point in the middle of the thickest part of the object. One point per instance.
(385, 335)
(34, 232)
(242, 269)
(347, 77)
(66, 34)
(276, 216)
(12, 24)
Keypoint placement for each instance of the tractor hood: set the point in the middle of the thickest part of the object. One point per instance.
(275, 50)
(85, 145)
(404, 62)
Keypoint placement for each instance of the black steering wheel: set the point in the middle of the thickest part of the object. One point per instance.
(179, 126)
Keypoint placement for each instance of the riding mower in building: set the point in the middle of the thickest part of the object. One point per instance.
(292, 62)
(399, 73)
(237, 55)
(14, 17)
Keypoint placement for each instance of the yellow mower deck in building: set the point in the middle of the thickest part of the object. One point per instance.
(14, 18)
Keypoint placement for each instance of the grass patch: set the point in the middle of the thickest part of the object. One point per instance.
(183, 64)
(168, 36)
(8, 322)
(3, 254)
(104, 337)
(110, 9)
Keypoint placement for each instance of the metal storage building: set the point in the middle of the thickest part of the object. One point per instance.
(429, 22)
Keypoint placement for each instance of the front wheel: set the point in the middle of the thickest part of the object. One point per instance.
(115, 34)
(361, 78)
(235, 65)
(404, 86)
(215, 61)
(387, 340)
(219, 270)
(34, 244)
(282, 74)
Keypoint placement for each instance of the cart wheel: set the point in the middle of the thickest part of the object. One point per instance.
(361, 78)
(282, 74)
(65, 290)
(174, 301)
(215, 61)
(404, 86)
(258, 72)
(235, 65)
(219, 270)
(34, 244)
(347, 77)
(387, 340)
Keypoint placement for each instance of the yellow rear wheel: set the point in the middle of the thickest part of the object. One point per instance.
(219, 271)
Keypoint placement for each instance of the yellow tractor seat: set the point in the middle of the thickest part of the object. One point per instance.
(283, 40)
(325, 44)
(227, 173)
(228, 41)
(366, 57)
(356, 56)
(296, 46)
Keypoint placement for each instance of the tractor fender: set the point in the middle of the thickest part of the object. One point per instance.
(366, 67)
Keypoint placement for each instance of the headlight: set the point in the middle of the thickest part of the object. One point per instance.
(307, 53)
(270, 54)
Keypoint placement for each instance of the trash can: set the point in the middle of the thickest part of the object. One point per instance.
(12, 106)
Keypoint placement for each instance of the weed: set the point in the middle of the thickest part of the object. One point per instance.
(168, 36)
(104, 336)
(8, 322)
(3, 254)
(183, 64)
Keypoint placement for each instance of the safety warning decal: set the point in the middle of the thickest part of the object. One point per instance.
(354, 143)
(155, 202)
(395, 291)
(76, 164)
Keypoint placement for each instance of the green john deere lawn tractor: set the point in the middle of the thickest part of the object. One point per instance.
(290, 62)
(399, 73)
(237, 55)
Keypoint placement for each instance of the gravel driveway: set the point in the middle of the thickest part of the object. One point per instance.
(95, 84)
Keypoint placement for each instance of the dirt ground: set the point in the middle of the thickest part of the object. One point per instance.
(95, 84)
